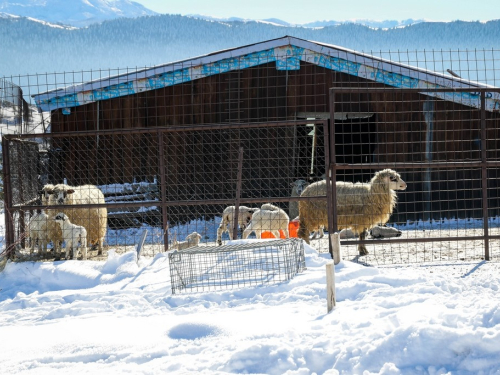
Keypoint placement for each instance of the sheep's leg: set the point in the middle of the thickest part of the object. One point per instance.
(321, 231)
(361, 247)
(247, 232)
(67, 250)
(286, 233)
(83, 248)
(44, 247)
(276, 233)
(220, 230)
(230, 230)
(303, 232)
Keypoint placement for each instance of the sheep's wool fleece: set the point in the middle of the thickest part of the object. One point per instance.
(360, 206)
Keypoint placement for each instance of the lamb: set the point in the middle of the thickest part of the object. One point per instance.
(268, 218)
(54, 233)
(298, 187)
(227, 223)
(38, 232)
(72, 235)
(192, 240)
(360, 206)
(93, 219)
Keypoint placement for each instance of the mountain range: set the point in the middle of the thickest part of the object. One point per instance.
(77, 13)
(81, 13)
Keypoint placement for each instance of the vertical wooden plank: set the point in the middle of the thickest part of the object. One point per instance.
(336, 250)
(330, 287)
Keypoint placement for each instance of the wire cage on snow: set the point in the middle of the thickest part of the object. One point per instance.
(210, 268)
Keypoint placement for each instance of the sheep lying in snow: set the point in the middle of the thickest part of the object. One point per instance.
(298, 187)
(268, 218)
(192, 240)
(347, 233)
(360, 206)
(227, 223)
(382, 231)
(72, 235)
(38, 232)
(93, 219)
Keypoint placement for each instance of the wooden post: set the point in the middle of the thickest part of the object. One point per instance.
(335, 242)
(330, 286)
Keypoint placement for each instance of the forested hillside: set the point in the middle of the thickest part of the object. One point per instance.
(29, 47)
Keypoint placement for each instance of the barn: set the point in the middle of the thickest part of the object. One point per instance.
(384, 113)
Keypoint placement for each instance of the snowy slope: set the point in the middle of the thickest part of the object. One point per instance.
(117, 316)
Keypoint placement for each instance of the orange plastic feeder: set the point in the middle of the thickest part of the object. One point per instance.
(293, 228)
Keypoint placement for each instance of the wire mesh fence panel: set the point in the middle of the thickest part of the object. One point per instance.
(172, 146)
(445, 147)
(235, 266)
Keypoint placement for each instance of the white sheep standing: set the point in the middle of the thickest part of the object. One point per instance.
(93, 219)
(227, 223)
(298, 187)
(268, 218)
(192, 240)
(72, 235)
(54, 233)
(38, 232)
(360, 206)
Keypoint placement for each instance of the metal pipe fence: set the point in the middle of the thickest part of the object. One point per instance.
(170, 158)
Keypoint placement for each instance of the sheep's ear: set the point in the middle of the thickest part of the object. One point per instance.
(70, 191)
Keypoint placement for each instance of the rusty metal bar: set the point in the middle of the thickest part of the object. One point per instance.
(436, 165)
(331, 172)
(238, 193)
(169, 129)
(170, 203)
(9, 223)
(163, 187)
(417, 89)
(484, 177)
(416, 239)
(326, 135)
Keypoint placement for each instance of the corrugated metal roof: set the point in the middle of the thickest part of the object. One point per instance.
(287, 52)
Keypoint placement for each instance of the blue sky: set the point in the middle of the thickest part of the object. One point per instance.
(303, 11)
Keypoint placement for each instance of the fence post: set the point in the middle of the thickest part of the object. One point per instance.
(238, 194)
(330, 286)
(484, 177)
(9, 224)
(335, 244)
(163, 189)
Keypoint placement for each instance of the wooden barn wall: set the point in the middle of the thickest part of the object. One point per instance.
(263, 94)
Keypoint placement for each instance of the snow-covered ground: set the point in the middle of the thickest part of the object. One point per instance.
(118, 316)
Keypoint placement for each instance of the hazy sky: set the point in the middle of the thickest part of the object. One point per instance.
(303, 11)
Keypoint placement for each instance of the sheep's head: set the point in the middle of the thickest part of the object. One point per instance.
(46, 192)
(299, 186)
(390, 178)
(61, 217)
(194, 237)
(61, 193)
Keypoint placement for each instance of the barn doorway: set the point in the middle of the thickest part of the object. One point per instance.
(355, 143)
